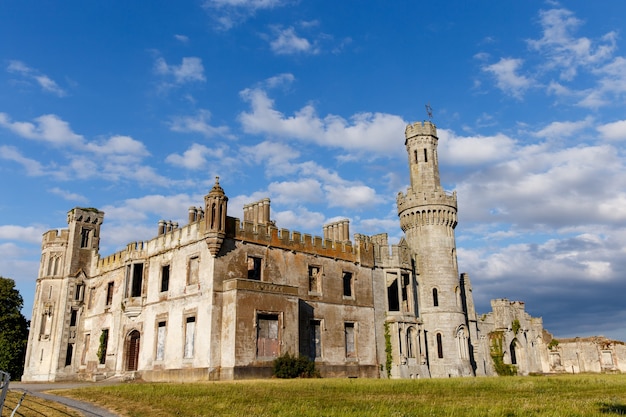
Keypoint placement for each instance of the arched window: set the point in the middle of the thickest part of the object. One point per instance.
(435, 298)
(462, 342)
(513, 354)
(410, 338)
(439, 346)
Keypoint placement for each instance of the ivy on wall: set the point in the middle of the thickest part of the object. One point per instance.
(389, 360)
(496, 339)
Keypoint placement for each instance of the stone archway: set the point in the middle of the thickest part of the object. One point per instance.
(132, 350)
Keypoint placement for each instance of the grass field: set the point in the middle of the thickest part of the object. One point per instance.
(32, 406)
(565, 395)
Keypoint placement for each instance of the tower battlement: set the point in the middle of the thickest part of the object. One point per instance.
(420, 129)
(431, 198)
(55, 236)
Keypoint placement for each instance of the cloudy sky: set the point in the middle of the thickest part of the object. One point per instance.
(135, 107)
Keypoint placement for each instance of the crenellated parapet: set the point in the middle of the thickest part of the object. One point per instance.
(420, 129)
(391, 256)
(55, 236)
(417, 199)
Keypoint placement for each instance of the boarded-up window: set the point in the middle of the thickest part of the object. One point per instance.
(194, 270)
(190, 330)
(607, 358)
(132, 358)
(268, 344)
(350, 340)
(160, 343)
(85, 349)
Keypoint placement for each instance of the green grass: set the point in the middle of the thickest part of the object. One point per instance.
(581, 395)
(32, 406)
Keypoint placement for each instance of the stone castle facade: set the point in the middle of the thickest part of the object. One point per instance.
(220, 298)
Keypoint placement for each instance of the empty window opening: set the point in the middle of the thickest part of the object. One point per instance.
(435, 297)
(350, 340)
(84, 238)
(193, 270)
(80, 290)
(316, 339)
(513, 353)
(392, 295)
(425, 155)
(347, 284)
(190, 328)
(315, 279)
(268, 343)
(137, 280)
(110, 287)
(165, 278)
(73, 317)
(254, 268)
(69, 353)
(415, 154)
(104, 343)
(439, 346)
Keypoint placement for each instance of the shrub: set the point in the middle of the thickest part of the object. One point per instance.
(290, 366)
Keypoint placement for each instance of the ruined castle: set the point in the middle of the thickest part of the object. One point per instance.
(220, 298)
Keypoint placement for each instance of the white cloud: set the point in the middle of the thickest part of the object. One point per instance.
(298, 192)
(46, 83)
(181, 38)
(355, 197)
(67, 195)
(473, 150)
(119, 144)
(287, 42)
(300, 219)
(33, 167)
(192, 158)
(49, 128)
(30, 234)
(563, 50)
(190, 70)
(364, 132)
(228, 13)
(563, 129)
(199, 124)
(507, 78)
(614, 131)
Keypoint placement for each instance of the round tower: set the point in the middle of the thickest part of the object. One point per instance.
(428, 216)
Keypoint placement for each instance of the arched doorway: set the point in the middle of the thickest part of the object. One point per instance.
(132, 350)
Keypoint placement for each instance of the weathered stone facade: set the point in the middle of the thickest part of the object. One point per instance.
(220, 298)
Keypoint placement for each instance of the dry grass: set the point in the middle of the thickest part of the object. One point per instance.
(581, 395)
(35, 407)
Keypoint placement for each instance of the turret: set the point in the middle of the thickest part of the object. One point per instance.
(216, 204)
(428, 216)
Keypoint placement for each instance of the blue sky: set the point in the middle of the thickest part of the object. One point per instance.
(135, 107)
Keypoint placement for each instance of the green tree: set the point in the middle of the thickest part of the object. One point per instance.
(13, 329)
